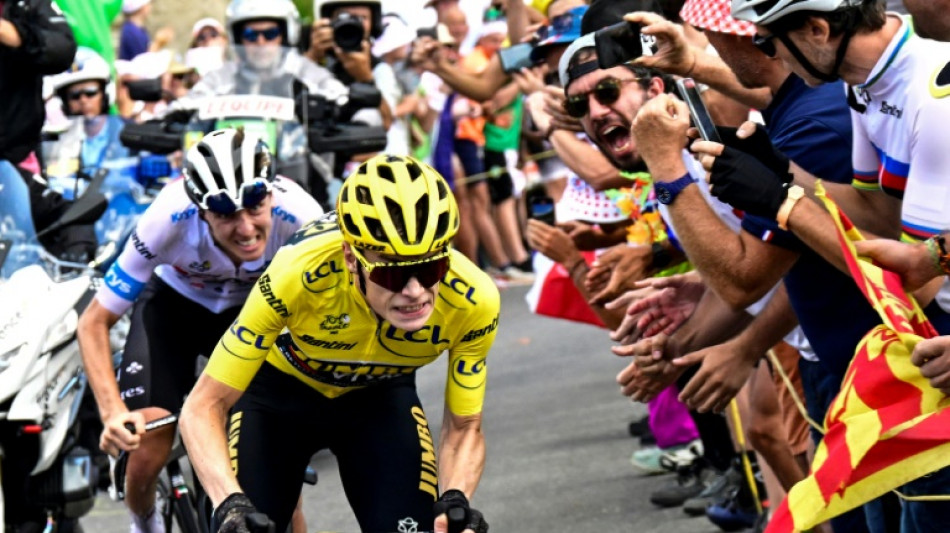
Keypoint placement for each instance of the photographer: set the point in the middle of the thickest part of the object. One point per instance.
(34, 41)
(340, 41)
(264, 34)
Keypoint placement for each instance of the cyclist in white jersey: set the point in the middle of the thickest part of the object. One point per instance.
(186, 270)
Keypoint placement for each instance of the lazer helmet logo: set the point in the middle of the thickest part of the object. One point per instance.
(335, 323)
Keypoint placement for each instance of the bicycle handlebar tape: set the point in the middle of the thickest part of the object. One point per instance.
(461, 516)
(233, 515)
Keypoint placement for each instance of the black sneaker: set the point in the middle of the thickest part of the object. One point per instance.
(739, 511)
(690, 481)
(720, 488)
(639, 428)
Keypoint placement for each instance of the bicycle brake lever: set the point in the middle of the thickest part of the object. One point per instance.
(259, 523)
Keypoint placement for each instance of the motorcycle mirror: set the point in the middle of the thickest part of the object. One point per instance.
(149, 90)
(86, 210)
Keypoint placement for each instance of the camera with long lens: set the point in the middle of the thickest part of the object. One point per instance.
(348, 32)
(329, 120)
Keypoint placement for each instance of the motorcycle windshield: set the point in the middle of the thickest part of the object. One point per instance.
(17, 234)
(254, 90)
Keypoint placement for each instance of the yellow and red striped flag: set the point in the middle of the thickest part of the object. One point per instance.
(887, 426)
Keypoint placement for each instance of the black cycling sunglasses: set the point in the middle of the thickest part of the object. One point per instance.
(76, 94)
(607, 91)
(764, 44)
(394, 276)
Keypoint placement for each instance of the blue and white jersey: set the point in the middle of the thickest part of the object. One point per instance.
(171, 240)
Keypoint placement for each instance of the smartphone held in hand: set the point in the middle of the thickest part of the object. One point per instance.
(514, 58)
(702, 121)
(541, 208)
(620, 43)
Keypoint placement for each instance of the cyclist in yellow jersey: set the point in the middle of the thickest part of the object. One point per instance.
(323, 356)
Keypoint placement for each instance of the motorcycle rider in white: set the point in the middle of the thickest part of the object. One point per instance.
(187, 269)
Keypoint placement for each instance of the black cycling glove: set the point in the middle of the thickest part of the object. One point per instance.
(743, 182)
(454, 505)
(760, 146)
(237, 514)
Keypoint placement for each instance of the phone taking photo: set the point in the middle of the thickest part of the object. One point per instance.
(514, 58)
(619, 43)
(541, 208)
(698, 112)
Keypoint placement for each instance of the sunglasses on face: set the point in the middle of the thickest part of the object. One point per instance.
(76, 94)
(251, 195)
(207, 35)
(606, 92)
(394, 276)
(765, 44)
(251, 35)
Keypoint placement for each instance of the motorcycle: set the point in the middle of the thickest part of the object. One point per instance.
(307, 127)
(130, 182)
(47, 470)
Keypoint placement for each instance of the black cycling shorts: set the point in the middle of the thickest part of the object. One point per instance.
(167, 335)
(500, 185)
(379, 436)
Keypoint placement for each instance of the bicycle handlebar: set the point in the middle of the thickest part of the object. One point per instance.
(120, 463)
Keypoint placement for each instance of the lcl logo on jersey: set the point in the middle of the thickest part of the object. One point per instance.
(469, 374)
(334, 324)
(324, 277)
(462, 288)
(425, 342)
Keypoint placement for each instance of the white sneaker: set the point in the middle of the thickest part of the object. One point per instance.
(517, 276)
(679, 456)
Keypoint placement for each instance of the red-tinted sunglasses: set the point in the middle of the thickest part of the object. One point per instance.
(394, 276)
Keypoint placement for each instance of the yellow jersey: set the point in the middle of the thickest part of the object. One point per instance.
(307, 318)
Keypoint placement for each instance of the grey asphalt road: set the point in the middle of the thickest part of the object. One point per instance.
(556, 430)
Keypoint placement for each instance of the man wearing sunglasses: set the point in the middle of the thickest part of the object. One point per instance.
(264, 35)
(194, 256)
(324, 356)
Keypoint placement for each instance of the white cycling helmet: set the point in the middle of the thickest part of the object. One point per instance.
(87, 66)
(765, 12)
(283, 11)
(228, 171)
(324, 9)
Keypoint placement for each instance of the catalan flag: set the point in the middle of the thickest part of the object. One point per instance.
(887, 426)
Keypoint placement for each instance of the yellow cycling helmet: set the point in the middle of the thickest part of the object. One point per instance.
(397, 205)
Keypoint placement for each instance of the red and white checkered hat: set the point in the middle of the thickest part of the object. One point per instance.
(715, 15)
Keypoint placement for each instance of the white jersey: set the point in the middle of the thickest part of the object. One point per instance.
(174, 242)
(899, 139)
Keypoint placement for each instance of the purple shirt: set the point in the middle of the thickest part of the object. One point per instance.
(133, 40)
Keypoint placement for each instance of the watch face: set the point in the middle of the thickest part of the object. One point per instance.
(663, 195)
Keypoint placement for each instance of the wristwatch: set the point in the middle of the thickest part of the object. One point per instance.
(666, 192)
(795, 193)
